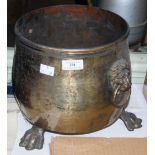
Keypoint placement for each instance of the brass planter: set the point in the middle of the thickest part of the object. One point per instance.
(79, 96)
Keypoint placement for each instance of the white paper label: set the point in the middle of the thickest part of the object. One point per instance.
(72, 64)
(48, 70)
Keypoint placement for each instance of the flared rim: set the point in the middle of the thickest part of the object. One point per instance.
(46, 48)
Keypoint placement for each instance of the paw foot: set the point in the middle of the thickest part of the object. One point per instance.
(130, 120)
(33, 139)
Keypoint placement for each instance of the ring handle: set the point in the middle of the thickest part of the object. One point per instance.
(119, 76)
(125, 98)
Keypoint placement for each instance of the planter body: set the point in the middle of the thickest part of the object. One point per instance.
(79, 100)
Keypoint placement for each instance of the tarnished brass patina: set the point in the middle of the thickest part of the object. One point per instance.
(72, 101)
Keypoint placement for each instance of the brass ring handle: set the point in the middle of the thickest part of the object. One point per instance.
(124, 99)
(119, 77)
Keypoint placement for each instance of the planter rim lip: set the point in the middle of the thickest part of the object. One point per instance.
(75, 51)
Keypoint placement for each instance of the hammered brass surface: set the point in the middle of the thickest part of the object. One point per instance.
(72, 101)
